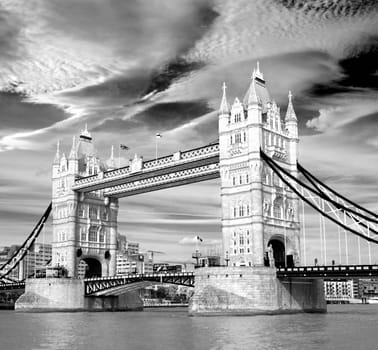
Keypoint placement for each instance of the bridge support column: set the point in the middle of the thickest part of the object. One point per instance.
(253, 291)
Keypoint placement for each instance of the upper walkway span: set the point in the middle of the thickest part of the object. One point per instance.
(176, 169)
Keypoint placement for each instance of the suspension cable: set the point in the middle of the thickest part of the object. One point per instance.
(339, 236)
(324, 235)
(304, 171)
(12, 262)
(280, 170)
(346, 243)
(304, 233)
(310, 177)
(369, 247)
(274, 168)
(321, 239)
(320, 193)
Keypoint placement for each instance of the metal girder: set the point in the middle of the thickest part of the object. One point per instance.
(115, 285)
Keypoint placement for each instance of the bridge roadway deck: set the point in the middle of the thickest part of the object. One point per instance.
(328, 272)
(177, 169)
(114, 285)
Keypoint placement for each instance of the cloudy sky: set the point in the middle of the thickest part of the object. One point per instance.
(130, 69)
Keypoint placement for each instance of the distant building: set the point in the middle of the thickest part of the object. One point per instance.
(163, 267)
(5, 254)
(368, 288)
(210, 260)
(132, 248)
(134, 263)
(338, 291)
(126, 247)
(37, 259)
(34, 263)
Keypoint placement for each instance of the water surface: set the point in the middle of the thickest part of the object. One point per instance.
(346, 327)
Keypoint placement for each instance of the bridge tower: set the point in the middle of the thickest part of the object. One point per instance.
(258, 210)
(84, 225)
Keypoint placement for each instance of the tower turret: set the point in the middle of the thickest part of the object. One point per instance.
(73, 158)
(56, 162)
(111, 161)
(224, 110)
(291, 122)
(254, 102)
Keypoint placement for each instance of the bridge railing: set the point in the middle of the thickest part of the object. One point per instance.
(346, 271)
(141, 275)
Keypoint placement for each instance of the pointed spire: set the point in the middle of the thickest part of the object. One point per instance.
(112, 152)
(111, 162)
(73, 153)
(224, 109)
(290, 113)
(85, 134)
(258, 73)
(57, 154)
(253, 99)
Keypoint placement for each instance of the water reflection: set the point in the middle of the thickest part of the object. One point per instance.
(344, 327)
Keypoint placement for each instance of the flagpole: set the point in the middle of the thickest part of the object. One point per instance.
(119, 155)
(157, 136)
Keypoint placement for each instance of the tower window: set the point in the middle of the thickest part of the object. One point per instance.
(93, 213)
(92, 236)
(81, 211)
(102, 236)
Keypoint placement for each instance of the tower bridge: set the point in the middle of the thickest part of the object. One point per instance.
(262, 189)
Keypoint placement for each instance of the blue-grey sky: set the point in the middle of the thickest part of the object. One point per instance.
(130, 69)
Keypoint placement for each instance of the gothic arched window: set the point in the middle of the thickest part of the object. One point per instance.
(93, 213)
(102, 235)
(92, 234)
(277, 208)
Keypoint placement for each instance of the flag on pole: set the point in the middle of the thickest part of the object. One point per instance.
(158, 136)
(199, 239)
(122, 146)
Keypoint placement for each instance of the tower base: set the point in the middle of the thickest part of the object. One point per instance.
(253, 291)
(67, 294)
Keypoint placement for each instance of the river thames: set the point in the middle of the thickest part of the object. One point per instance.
(347, 327)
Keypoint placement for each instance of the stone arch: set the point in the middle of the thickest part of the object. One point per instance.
(279, 251)
(93, 267)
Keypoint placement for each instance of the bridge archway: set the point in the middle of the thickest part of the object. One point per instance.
(93, 267)
(278, 251)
